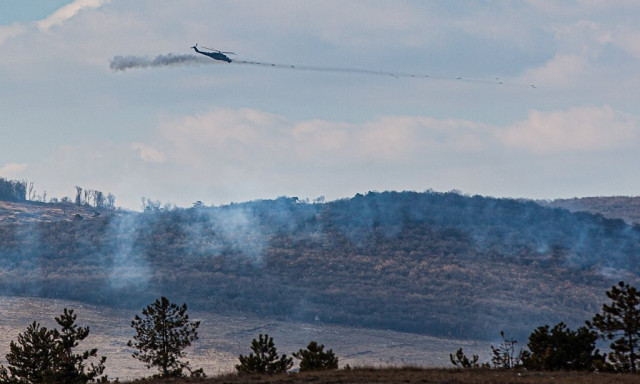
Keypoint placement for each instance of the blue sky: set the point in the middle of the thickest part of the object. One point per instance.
(221, 132)
(20, 11)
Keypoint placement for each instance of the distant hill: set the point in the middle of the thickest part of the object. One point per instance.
(614, 207)
(442, 264)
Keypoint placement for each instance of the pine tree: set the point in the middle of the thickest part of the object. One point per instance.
(31, 359)
(315, 359)
(162, 334)
(73, 368)
(561, 348)
(620, 322)
(42, 355)
(265, 359)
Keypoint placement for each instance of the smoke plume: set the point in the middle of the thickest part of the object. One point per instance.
(122, 63)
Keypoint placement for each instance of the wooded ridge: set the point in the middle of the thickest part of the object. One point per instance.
(442, 264)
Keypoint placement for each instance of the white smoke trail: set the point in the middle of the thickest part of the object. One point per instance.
(397, 75)
(122, 63)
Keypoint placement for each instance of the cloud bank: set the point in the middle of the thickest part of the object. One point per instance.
(13, 170)
(578, 129)
(232, 155)
(236, 132)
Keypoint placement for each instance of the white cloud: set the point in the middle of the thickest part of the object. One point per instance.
(237, 155)
(257, 139)
(562, 71)
(9, 31)
(67, 12)
(148, 154)
(577, 129)
(11, 170)
(627, 39)
(55, 19)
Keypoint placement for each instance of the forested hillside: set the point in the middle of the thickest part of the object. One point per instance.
(435, 263)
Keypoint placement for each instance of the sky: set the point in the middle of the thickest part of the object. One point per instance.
(217, 132)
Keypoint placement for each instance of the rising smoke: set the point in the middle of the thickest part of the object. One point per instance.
(128, 269)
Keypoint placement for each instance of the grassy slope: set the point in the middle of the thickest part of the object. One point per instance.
(411, 375)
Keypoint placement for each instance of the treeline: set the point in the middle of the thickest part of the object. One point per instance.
(13, 190)
(94, 198)
(560, 348)
(162, 333)
(22, 191)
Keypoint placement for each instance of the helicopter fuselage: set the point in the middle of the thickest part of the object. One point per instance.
(214, 55)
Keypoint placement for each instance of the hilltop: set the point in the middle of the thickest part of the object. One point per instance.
(615, 207)
(441, 264)
(22, 212)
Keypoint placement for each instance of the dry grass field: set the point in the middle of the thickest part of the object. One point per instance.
(411, 375)
(223, 338)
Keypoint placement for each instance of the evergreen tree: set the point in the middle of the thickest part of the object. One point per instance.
(162, 334)
(561, 348)
(31, 359)
(72, 367)
(265, 359)
(620, 322)
(47, 356)
(315, 359)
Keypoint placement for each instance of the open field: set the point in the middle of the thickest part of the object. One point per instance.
(410, 375)
(223, 338)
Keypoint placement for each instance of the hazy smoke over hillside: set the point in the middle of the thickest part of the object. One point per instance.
(122, 63)
(229, 230)
(437, 263)
(128, 268)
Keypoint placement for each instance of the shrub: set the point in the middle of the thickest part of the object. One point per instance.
(314, 358)
(264, 359)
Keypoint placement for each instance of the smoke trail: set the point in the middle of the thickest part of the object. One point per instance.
(122, 63)
(397, 75)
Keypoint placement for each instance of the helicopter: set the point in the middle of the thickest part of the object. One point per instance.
(214, 54)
